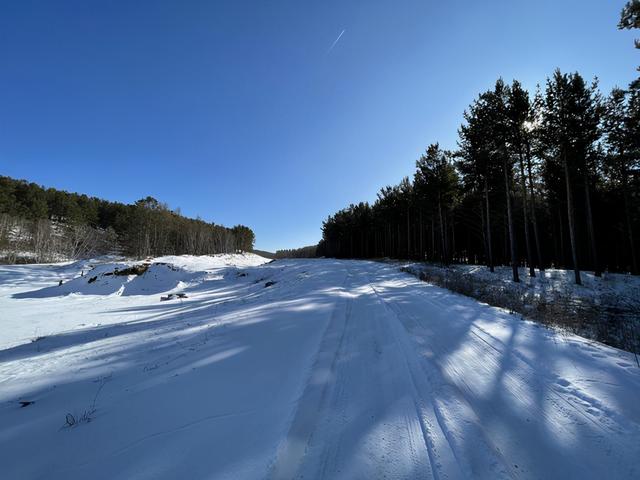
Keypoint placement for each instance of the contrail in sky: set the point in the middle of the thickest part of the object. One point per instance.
(336, 41)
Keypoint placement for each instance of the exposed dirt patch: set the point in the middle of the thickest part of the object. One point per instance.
(139, 269)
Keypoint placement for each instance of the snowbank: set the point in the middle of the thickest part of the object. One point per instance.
(606, 309)
(153, 276)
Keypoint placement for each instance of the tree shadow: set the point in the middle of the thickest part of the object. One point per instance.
(504, 370)
(197, 375)
(206, 388)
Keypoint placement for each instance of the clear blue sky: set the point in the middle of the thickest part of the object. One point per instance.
(238, 112)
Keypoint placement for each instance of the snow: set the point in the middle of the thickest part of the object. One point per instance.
(624, 288)
(338, 369)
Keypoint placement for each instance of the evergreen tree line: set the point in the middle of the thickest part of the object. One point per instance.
(546, 180)
(51, 224)
(302, 252)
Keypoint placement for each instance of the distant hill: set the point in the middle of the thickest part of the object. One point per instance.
(45, 224)
(264, 254)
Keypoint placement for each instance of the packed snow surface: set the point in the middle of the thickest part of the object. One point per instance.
(295, 369)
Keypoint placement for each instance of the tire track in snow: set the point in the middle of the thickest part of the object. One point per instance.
(555, 385)
(427, 426)
(371, 424)
(492, 355)
(292, 450)
(367, 419)
(454, 465)
(465, 398)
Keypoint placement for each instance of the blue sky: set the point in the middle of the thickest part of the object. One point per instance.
(237, 111)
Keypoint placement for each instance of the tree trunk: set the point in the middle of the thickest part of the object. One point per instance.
(433, 238)
(408, 235)
(489, 247)
(533, 210)
(562, 259)
(625, 192)
(421, 238)
(442, 233)
(453, 237)
(592, 234)
(512, 237)
(375, 242)
(484, 231)
(571, 217)
(525, 208)
(446, 250)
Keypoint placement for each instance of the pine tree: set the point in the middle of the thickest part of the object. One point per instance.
(476, 163)
(557, 139)
(622, 130)
(630, 19)
(499, 133)
(439, 181)
(570, 122)
(532, 145)
(519, 112)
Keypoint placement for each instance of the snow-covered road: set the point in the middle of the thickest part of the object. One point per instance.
(339, 369)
